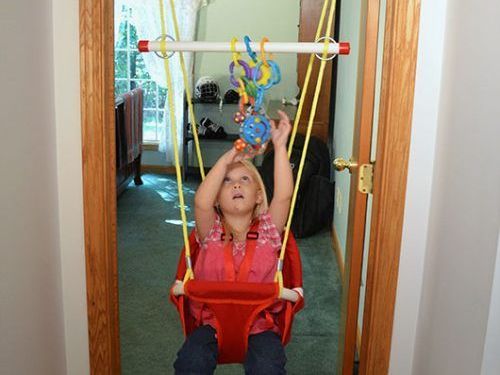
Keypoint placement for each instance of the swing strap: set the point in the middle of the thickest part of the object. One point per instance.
(279, 272)
(189, 270)
(188, 95)
(279, 275)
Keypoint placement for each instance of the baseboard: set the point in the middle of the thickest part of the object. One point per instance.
(160, 169)
(337, 248)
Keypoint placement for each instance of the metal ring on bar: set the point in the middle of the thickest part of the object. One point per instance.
(331, 40)
(168, 55)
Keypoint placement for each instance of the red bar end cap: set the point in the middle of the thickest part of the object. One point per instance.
(344, 48)
(143, 46)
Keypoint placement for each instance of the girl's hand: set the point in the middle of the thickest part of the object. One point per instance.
(178, 288)
(234, 156)
(279, 134)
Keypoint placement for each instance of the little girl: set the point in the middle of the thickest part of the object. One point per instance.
(228, 201)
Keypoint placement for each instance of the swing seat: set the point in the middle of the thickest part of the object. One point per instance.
(236, 304)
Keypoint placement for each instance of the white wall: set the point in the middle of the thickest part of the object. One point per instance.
(65, 15)
(31, 310)
(460, 240)
(418, 194)
(491, 359)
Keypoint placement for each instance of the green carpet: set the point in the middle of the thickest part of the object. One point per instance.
(149, 242)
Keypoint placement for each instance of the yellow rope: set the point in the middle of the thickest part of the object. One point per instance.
(279, 273)
(306, 82)
(188, 95)
(189, 272)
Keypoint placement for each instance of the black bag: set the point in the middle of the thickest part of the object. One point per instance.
(314, 205)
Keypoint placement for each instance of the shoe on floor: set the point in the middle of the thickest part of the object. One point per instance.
(210, 129)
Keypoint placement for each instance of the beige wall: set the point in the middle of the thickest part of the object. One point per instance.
(31, 310)
(222, 20)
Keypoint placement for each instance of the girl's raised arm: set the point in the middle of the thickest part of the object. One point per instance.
(206, 195)
(283, 178)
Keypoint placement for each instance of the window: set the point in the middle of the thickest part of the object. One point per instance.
(131, 72)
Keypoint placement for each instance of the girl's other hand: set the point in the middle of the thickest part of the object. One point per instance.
(279, 134)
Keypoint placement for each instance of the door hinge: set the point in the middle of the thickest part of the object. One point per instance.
(365, 179)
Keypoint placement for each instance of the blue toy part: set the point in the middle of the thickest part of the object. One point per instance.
(256, 130)
(273, 80)
(251, 53)
(259, 98)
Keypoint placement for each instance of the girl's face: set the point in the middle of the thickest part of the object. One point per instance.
(240, 191)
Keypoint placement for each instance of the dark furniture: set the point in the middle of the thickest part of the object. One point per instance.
(128, 130)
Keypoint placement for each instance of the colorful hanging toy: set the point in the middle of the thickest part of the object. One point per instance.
(252, 80)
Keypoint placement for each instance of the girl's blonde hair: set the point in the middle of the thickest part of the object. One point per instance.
(259, 208)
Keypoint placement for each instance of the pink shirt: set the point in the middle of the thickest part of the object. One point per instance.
(210, 266)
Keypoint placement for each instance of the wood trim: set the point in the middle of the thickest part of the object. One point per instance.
(99, 189)
(361, 148)
(160, 169)
(337, 249)
(393, 143)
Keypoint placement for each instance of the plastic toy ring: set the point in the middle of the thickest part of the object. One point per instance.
(262, 74)
(236, 55)
(251, 53)
(262, 52)
(275, 77)
(246, 68)
(259, 99)
(255, 130)
(242, 92)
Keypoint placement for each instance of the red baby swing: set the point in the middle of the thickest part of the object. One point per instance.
(236, 303)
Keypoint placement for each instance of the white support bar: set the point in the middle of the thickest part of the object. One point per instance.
(341, 48)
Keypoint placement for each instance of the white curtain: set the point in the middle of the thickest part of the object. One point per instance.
(145, 16)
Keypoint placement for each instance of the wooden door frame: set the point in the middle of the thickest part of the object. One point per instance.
(99, 190)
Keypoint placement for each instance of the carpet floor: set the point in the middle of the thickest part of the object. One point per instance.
(149, 242)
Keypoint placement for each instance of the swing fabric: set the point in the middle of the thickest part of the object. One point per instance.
(236, 303)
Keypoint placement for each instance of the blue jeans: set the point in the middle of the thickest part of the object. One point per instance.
(198, 355)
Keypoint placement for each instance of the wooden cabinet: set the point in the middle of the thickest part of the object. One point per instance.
(310, 11)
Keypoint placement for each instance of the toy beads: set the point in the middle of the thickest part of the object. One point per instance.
(256, 130)
(255, 79)
(240, 145)
(238, 117)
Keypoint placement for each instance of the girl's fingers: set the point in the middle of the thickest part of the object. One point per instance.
(283, 116)
(273, 125)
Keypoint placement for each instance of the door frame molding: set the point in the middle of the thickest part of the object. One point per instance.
(99, 190)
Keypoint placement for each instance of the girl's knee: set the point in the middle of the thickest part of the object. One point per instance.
(266, 355)
(198, 354)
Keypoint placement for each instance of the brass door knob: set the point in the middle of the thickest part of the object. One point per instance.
(340, 164)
